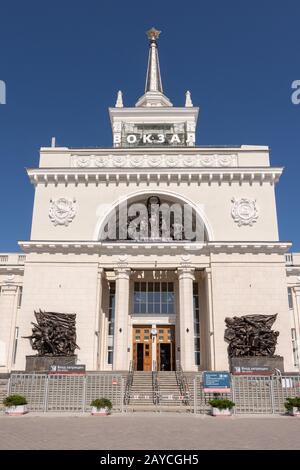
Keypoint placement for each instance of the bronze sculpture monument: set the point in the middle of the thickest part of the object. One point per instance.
(54, 334)
(251, 335)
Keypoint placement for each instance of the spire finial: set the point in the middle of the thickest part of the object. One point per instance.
(153, 79)
(119, 102)
(188, 100)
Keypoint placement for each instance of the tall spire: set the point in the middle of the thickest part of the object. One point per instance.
(153, 78)
(153, 95)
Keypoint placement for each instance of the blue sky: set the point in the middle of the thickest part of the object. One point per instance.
(63, 62)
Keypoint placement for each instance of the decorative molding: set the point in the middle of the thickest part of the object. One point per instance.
(148, 161)
(62, 211)
(156, 174)
(178, 248)
(244, 211)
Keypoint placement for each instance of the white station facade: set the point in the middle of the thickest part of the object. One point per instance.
(139, 294)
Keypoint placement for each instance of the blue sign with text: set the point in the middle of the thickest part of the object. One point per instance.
(216, 382)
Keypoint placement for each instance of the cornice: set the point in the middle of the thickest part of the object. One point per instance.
(226, 247)
(106, 176)
(196, 150)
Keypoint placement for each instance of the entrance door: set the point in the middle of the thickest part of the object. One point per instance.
(142, 348)
(165, 349)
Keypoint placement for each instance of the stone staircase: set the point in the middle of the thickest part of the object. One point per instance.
(169, 391)
(141, 394)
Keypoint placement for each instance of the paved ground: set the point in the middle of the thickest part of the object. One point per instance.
(148, 431)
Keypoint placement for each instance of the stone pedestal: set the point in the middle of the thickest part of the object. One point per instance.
(43, 363)
(255, 365)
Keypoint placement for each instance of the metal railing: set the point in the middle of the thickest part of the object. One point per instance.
(74, 392)
(182, 384)
(155, 386)
(128, 384)
(253, 394)
(67, 392)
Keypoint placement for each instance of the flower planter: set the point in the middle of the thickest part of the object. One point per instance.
(217, 412)
(100, 411)
(295, 412)
(16, 410)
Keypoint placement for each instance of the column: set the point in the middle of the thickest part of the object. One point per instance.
(121, 354)
(98, 321)
(296, 310)
(210, 322)
(186, 318)
(8, 307)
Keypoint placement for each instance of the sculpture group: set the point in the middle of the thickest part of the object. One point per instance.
(251, 335)
(54, 334)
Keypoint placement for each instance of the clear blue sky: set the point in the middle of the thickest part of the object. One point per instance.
(63, 62)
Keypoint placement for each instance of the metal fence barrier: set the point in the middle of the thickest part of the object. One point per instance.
(251, 394)
(67, 392)
(74, 393)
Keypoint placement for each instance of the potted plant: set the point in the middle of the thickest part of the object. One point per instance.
(15, 405)
(101, 407)
(221, 406)
(292, 405)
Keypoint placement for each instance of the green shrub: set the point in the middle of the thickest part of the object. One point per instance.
(292, 402)
(102, 403)
(221, 403)
(14, 400)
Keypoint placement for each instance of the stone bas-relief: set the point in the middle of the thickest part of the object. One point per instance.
(244, 211)
(54, 334)
(62, 211)
(251, 335)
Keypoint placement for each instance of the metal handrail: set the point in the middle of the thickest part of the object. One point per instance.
(155, 386)
(182, 383)
(128, 385)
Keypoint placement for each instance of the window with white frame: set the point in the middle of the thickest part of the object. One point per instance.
(196, 323)
(20, 295)
(111, 321)
(295, 347)
(154, 298)
(290, 297)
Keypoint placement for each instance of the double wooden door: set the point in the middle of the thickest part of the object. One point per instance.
(144, 340)
(142, 348)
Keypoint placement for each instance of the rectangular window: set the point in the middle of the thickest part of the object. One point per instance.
(154, 297)
(110, 354)
(15, 344)
(196, 323)
(20, 294)
(295, 347)
(290, 297)
(111, 321)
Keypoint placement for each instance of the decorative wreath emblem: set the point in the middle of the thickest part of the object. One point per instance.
(62, 211)
(99, 161)
(119, 160)
(154, 160)
(225, 160)
(244, 211)
(188, 161)
(83, 161)
(207, 160)
(137, 160)
(171, 160)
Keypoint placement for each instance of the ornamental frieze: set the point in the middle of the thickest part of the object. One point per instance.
(152, 161)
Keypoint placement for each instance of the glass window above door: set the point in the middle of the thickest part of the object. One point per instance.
(154, 298)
